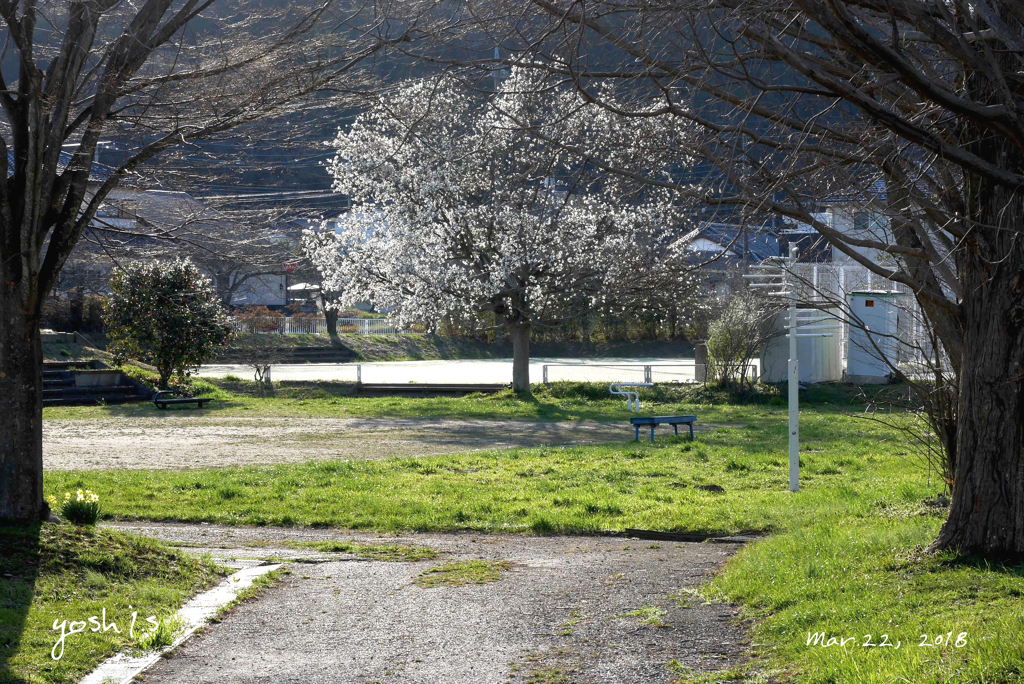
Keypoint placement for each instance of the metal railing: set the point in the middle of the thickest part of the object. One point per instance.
(315, 325)
(648, 374)
(625, 373)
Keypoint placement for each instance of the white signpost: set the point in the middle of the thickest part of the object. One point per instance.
(781, 282)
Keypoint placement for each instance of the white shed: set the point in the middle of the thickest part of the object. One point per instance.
(820, 358)
(874, 329)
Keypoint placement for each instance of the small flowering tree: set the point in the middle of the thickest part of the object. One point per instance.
(467, 205)
(166, 314)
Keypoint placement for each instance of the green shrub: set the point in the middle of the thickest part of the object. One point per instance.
(167, 315)
(81, 509)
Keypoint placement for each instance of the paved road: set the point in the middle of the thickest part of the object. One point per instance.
(561, 611)
(480, 371)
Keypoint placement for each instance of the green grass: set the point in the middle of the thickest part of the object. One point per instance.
(66, 573)
(559, 401)
(851, 578)
(650, 616)
(844, 556)
(382, 552)
(462, 573)
(855, 465)
(63, 352)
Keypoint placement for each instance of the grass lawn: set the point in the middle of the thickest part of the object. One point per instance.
(571, 489)
(560, 401)
(66, 573)
(841, 557)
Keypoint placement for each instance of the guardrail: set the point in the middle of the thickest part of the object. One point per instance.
(624, 373)
(315, 325)
(649, 374)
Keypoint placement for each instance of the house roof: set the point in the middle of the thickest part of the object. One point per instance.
(97, 174)
(761, 242)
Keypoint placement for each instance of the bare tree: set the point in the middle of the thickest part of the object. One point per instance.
(738, 334)
(235, 251)
(160, 72)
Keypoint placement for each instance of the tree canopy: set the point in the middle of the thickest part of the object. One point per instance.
(166, 314)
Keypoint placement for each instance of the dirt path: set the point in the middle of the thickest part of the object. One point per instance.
(175, 443)
(561, 612)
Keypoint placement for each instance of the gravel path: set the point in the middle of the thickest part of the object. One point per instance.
(184, 442)
(560, 611)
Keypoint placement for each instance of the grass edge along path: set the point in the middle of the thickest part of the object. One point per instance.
(93, 577)
(860, 602)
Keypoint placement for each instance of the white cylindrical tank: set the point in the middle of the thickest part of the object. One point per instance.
(820, 358)
(872, 340)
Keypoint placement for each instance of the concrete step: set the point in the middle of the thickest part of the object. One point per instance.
(85, 391)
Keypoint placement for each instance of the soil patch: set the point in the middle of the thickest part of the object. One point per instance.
(173, 443)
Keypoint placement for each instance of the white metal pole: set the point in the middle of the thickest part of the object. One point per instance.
(794, 380)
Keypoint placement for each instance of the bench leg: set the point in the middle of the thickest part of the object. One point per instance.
(675, 426)
(691, 432)
(637, 433)
(652, 433)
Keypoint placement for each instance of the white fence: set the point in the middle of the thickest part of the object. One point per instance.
(316, 325)
(574, 372)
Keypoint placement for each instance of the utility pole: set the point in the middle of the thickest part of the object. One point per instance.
(782, 281)
(794, 377)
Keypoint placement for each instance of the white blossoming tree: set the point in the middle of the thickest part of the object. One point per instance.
(467, 206)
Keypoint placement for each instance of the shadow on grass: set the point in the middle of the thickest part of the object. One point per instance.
(19, 570)
(951, 560)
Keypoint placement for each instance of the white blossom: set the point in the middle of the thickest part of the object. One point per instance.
(467, 204)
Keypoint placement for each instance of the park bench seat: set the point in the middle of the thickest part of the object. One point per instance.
(165, 398)
(653, 421)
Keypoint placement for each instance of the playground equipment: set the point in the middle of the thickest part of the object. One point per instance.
(632, 398)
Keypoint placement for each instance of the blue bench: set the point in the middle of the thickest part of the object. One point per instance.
(674, 421)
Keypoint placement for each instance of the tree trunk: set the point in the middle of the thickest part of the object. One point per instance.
(331, 317)
(165, 373)
(76, 309)
(986, 516)
(987, 512)
(520, 334)
(21, 413)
